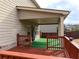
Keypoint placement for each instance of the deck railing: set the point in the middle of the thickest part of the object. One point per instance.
(72, 50)
(18, 55)
(23, 40)
(55, 42)
(13, 55)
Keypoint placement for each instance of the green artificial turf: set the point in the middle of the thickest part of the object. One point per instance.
(41, 43)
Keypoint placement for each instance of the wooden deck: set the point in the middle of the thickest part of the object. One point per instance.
(67, 49)
(38, 51)
(58, 53)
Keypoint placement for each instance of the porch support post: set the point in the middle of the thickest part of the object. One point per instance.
(61, 26)
(37, 33)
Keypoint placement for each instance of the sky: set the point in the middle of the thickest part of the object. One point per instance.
(70, 5)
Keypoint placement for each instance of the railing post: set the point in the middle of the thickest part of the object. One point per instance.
(18, 39)
(47, 43)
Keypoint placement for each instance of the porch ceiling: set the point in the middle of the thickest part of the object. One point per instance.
(46, 21)
(40, 16)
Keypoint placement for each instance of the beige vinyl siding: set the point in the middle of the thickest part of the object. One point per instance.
(27, 3)
(9, 24)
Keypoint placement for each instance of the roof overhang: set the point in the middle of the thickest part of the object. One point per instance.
(40, 15)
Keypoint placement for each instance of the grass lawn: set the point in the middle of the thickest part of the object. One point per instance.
(41, 43)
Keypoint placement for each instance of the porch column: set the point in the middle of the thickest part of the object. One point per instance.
(37, 33)
(61, 26)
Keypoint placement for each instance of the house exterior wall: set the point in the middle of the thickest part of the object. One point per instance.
(27, 3)
(9, 22)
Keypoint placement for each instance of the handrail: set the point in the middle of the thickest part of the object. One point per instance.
(18, 55)
(12, 55)
(55, 36)
(72, 50)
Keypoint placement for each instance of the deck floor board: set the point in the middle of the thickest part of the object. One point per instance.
(58, 53)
